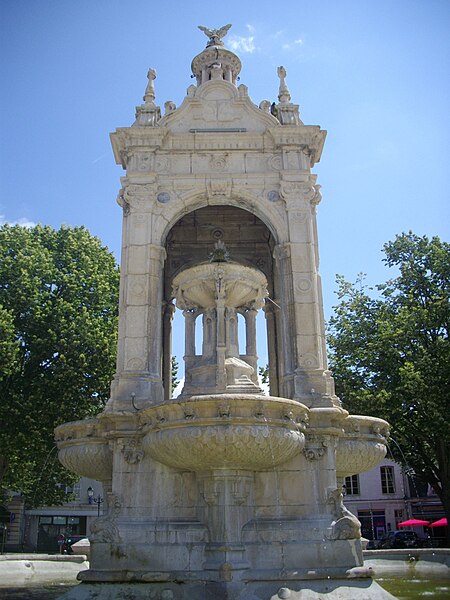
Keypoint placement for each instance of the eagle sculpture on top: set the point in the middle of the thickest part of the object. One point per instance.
(215, 35)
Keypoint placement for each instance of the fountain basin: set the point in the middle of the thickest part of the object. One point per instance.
(362, 446)
(83, 449)
(248, 432)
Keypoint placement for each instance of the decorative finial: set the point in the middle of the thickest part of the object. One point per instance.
(215, 35)
(283, 93)
(220, 253)
(149, 95)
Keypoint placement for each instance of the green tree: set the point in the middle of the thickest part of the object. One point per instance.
(390, 354)
(175, 381)
(58, 319)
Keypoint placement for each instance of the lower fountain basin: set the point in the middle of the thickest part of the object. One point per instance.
(362, 446)
(83, 450)
(249, 432)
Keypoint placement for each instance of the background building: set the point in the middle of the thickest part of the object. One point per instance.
(42, 529)
(386, 495)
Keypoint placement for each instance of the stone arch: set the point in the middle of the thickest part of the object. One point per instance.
(192, 238)
(273, 215)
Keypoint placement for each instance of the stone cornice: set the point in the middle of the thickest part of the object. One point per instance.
(125, 138)
(309, 138)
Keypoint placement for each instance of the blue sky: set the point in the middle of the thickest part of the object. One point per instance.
(374, 74)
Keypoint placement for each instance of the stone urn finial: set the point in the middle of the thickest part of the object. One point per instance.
(284, 95)
(149, 96)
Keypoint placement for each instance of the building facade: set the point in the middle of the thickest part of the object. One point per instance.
(385, 496)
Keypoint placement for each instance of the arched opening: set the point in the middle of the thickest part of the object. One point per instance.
(191, 242)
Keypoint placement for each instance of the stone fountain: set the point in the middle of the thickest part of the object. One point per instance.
(223, 492)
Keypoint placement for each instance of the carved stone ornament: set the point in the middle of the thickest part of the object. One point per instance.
(309, 361)
(282, 252)
(122, 202)
(345, 526)
(215, 35)
(104, 529)
(138, 196)
(316, 446)
(132, 451)
(219, 187)
(300, 190)
(218, 162)
(275, 163)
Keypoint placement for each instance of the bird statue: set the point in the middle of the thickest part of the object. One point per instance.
(215, 35)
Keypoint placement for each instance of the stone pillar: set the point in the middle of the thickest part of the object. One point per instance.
(312, 383)
(285, 319)
(138, 378)
(168, 312)
(269, 309)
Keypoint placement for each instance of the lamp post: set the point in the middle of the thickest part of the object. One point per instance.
(91, 500)
(98, 501)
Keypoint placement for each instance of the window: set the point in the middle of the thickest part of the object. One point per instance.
(352, 485)
(387, 480)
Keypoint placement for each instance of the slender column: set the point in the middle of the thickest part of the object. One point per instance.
(209, 332)
(221, 375)
(189, 328)
(250, 331)
(169, 310)
(272, 348)
(231, 332)
(250, 342)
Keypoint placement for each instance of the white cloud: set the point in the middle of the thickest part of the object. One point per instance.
(239, 43)
(23, 222)
(290, 45)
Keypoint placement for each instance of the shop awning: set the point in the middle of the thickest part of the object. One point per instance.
(413, 523)
(440, 523)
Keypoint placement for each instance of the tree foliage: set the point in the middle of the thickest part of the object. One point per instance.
(174, 373)
(58, 323)
(390, 354)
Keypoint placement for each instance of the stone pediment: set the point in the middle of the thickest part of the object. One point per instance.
(218, 106)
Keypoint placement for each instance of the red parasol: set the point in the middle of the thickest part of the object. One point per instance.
(440, 523)
(413, 523)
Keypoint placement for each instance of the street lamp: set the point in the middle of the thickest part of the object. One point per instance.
(98, 501)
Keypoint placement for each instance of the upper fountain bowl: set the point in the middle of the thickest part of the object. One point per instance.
(200, 286)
